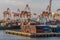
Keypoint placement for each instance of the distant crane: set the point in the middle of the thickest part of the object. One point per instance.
(50, 3)
(18, 12)
(6, 14)
(49, 7)
(26, 12)
(25, 18)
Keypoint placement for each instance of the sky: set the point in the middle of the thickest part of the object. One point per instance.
(35, 5)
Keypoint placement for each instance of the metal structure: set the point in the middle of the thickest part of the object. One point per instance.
(7, 14)
(18, 11)
(16, 15)
(50, 3)
(27, 11)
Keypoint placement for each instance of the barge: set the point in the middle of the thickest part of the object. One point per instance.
(51, 34)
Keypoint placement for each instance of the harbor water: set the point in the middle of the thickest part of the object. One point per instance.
(4, 36)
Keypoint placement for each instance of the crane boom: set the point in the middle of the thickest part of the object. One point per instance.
(50, 3)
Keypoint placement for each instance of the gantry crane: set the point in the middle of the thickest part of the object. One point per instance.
(7, 14)
(16, 15)
(27, 11)
(50, 4)
(25, 22)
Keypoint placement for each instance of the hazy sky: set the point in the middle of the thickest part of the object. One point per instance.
(35, 5)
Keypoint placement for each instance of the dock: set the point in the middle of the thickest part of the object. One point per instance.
(51, 34)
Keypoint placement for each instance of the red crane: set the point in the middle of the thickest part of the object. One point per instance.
(49, 6)
(7, 13)
(26, 12)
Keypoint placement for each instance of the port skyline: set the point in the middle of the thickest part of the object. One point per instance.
(35, 6)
